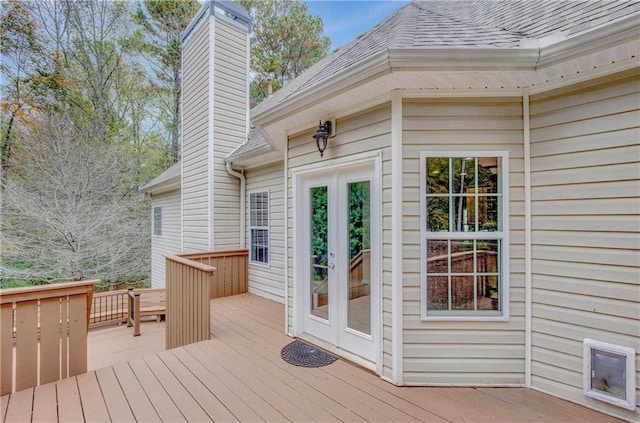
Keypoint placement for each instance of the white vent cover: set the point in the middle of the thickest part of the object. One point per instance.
(609, 373)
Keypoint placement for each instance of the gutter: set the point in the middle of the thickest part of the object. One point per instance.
(243, 192)
(397, 60)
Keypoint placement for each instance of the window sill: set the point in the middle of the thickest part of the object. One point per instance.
(469, 318)
(257, 263)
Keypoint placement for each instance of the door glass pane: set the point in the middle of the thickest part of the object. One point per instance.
(319, 253)
(359, 271)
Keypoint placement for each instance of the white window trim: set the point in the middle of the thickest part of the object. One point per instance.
(153, 221)
(504, 270)
(268, 227)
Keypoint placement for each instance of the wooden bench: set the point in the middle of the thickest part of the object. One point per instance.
(145, 302)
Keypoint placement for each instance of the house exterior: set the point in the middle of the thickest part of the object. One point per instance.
(474, 219)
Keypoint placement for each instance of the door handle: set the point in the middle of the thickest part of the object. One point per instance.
(332, 266)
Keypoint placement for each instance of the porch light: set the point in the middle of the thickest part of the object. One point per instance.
(322, 134)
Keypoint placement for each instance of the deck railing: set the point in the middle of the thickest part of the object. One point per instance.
(108, 307)
(43, 333)
(232, 276)
(188, 284)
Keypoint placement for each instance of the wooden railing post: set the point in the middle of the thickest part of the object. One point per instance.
(187, 301)
(43, 331)
(133, 318)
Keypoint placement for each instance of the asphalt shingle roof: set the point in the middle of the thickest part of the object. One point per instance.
(462, 24)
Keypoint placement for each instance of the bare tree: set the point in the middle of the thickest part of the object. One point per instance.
(75, 212)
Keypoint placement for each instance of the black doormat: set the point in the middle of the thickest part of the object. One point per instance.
(299, 353)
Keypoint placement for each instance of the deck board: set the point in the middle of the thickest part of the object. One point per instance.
(187, 405)
(226, 396)
(93, 406)
(4, 402)
(234, 381)
(214, 408)
(44, 402)
(162, 402)
(69, 404)
(238, 375)
(135, 394)
(114, 398)
(19, 407)
(317, 378)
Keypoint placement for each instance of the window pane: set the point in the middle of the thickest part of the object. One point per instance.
(462, 292)
(462, 220)
(488, 214)
(462, 256)
(437, 292)
(487, 256)
(319, 235)
(488, 292)
(488, 171)
(259, 245)
(437, 214)
(157, 221)
(437, 175)
(464, 171)
(437, 256)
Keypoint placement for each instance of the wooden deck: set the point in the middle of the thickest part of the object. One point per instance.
(239, 376)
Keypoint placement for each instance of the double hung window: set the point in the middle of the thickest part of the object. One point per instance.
(157, 221)
(464, 242)
(259, 227)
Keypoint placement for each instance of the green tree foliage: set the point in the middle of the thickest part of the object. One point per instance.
(159, 39)
(80, 132)
(359, 218)
(21, 50)
(286, 40)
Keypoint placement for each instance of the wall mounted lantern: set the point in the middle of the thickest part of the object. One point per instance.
(322, 134)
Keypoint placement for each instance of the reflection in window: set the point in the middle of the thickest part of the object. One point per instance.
(464, 235)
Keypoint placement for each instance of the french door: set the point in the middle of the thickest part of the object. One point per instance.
(336, 240)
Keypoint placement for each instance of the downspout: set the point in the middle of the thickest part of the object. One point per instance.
(527, 238)
(243, 193)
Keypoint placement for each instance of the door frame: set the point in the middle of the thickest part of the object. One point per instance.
(299, 175)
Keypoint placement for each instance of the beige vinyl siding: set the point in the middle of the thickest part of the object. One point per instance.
(364, 132)
(195, 138)
(462, 352)
(169, 241)
(229, 126)
(268, 281)
(585, 175)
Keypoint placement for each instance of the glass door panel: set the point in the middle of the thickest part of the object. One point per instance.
(359, 248)
(319, 236)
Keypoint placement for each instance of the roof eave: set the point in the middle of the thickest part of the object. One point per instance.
(257, 157)
(397, 60)
(164, 186)
(616, 32)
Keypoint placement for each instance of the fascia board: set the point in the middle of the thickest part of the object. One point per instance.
(397, 60)
(618, 32)
(164, 186)
(456, 59)
(257, 158)
(372, 67)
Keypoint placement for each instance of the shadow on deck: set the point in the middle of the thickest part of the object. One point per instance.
(238, 375)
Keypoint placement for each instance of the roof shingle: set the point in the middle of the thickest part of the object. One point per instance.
(461, 24)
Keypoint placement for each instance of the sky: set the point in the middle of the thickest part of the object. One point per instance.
(344, 20)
